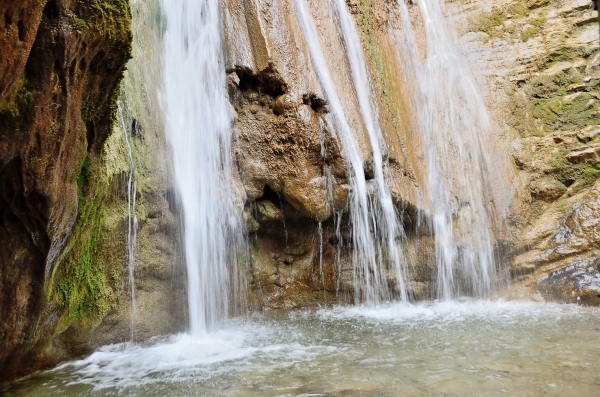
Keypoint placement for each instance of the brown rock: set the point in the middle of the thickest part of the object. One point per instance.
(547, 189)
(589, 156)
(55, 114)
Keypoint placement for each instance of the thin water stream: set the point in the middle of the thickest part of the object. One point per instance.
(466, 348)
(375, 227)
(457, 132)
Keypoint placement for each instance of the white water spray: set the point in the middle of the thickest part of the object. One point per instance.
(198, 124)
(374, 224)
(456, 131)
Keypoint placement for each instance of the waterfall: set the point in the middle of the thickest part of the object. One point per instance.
(456, 132)
(375, 228)
(198, 123)
(132, 221)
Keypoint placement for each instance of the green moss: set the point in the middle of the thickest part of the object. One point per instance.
(567, 113)
(110, 18)
(17, 109)
(534, 29)
(564, 54)
(529, 32)
(83, 177)
(538, 22)
(582, 174)
(79, 24)
(81, 289)
(550, 86)
(487, 22)
(83, 292)
(550, 102)
(537, 209)
(517, 10)
(492, 22)
(589, 176)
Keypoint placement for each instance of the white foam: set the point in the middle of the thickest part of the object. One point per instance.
(187, 358)
(436, 313)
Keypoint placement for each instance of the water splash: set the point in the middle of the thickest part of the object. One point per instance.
(374, 227)
(198, 123)
(457, 132)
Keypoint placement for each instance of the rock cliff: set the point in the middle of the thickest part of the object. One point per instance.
(61, 64)
(540, 63)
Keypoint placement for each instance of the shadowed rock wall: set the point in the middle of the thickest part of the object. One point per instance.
(61, 63)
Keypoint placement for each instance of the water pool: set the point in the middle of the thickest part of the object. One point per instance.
(453, 348)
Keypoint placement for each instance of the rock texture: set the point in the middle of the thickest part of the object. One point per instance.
(61, 64)
(537, 62)
(157, 304)
(291, 164)
(69, 151)
(540, 63)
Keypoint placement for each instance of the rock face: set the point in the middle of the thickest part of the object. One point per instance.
(61, 63)
(290, 159)
(540, 62)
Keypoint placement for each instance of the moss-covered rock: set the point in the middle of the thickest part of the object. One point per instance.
(55, 116)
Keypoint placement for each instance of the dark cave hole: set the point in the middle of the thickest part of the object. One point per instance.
(266, 82)
(51, 10)
(317, 104)
(22, 31)
(271, 196)
(90, 134)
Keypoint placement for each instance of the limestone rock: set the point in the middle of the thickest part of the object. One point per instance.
(547, 189)
(589, 155)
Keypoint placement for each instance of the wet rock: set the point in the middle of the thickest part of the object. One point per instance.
(57, 85)
(577, 283)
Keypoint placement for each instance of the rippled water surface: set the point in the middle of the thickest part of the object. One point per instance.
(456, 348)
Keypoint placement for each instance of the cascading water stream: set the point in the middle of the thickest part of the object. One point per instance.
(373, 220)
(390, 228)
(132, 220)
(198, 124)
(456, 131)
